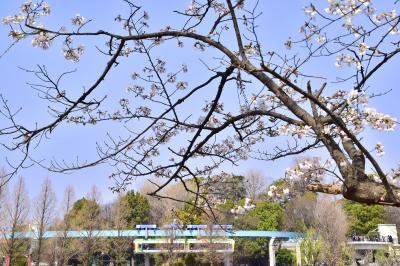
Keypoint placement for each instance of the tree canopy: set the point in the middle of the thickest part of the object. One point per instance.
(178, 120)
(84, 213)
(322, 218)
(135, 209)
(364, 218)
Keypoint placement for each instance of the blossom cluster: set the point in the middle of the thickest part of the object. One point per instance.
(264, 101)
(379, 121)
(74, 54)
(43, 40)
(359, 18)
(78, 20)
(16, 19)
(394, 177)
(310, 169)
(357, 97)
(379, 149)
(349, 9)
(296, 131)
(240, 210)
(348, 60)
(16, 34)
(29, 13)
(273, 191)
(196, 9)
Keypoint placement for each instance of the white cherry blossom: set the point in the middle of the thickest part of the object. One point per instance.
(363, 48)
(356, 96)
(43, 40)
(74, 54)
(379, 149)
(16, 19)
(78, 20)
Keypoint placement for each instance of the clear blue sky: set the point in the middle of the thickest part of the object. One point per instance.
(280, 19)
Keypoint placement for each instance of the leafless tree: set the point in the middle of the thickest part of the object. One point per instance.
(119, 247)
(15, 221)
(3, 196)
(326, 219)
(255, 184)
(212, 238)
(63, 242)
(3, 188)
(393, 216)
(171, 245)
(163, 208)
(3, 222)
(332, 226)
(44, 207)
(89, 222)
(51, 251)
(299, 213)
(277, 96)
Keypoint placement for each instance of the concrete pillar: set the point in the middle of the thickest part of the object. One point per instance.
(228, 260)
(298, 253)
(146, 260)
(271, 251)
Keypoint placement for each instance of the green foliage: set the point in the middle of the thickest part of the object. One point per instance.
(347, 255)
(158, 260)
(183, 260)
(266, 216)
(229, 204)
(315, 250)
(135, 209)
(387, 257)
(195, 259)
(20, 261)
(236, 188)
(285, 257)
(83, 213)
(190, 259)
(363, 217)
(250, 250)
(227, 186)
(189, 215)
(131, 209)
(311, 249)
(180, 262)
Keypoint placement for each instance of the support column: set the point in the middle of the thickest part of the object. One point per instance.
(146, 260)
(271, 252)
(228, 260)
(298, 253)
(29, 260)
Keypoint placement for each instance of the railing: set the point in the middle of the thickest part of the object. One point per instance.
(151, 230)
(386, 239)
